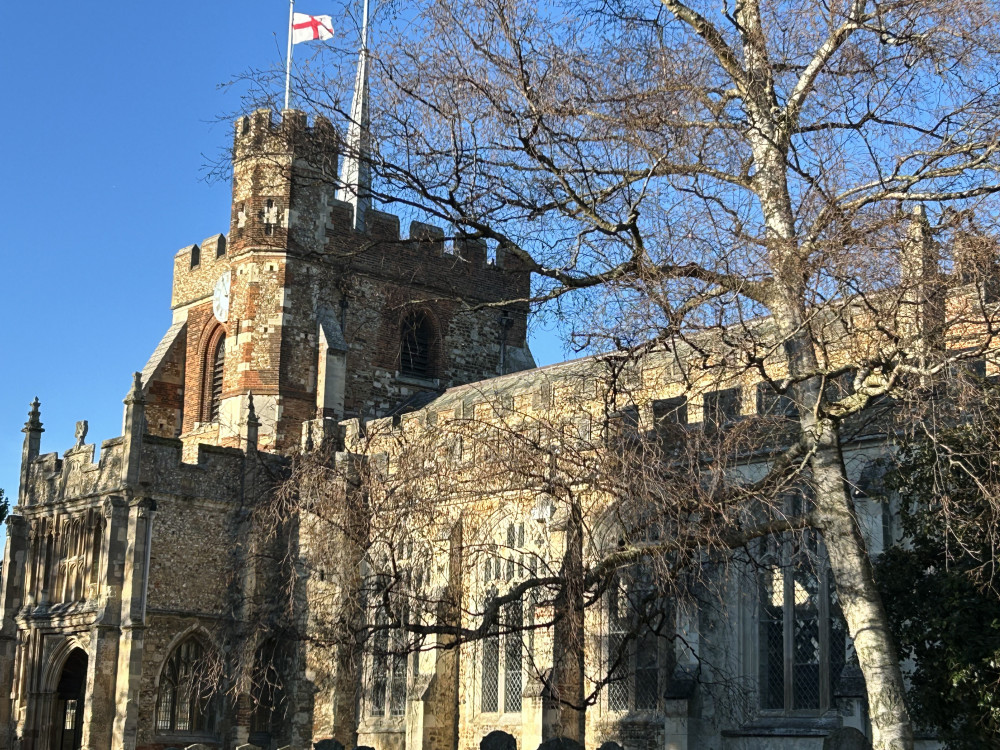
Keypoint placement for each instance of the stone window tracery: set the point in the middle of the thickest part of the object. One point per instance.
(502, 653)
(390, 654)
(185, 700)
(801, 636)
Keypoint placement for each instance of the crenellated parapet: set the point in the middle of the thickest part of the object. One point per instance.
(459, 267)
(75, 478)
(284, 177)
(197, 268)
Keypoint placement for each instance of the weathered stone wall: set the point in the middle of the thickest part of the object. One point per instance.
(297, 263)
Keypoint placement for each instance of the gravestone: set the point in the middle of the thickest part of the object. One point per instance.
(560, 743)
(328, 745)
(498, 740)
(846, 738)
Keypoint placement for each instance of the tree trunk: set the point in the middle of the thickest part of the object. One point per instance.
(859, 599)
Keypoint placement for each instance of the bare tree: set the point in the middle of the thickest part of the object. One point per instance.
(753, 187)
(544, 528)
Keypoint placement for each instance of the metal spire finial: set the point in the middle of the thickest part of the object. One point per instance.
(355, 175)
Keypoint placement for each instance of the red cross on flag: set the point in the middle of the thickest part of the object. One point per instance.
(307, 28)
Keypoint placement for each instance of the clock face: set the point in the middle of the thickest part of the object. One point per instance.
(220, 297)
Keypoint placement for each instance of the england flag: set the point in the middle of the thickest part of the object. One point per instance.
(306, 28)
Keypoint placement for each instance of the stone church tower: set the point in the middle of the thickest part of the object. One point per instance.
(115, 572)
(314, 317)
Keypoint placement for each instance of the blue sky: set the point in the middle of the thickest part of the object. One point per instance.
(112, 114)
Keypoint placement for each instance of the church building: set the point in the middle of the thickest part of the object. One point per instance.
(315, 323)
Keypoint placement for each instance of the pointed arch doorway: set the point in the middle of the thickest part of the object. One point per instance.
(67, 729)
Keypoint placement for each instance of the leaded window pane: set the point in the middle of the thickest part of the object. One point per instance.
(380, 670)
(802, 635)
(632, 646)
(805, 638)
(772, 646)
(647, 672)
(397, 699)
(618, 685)
(165, 708)
(184, 700)
(513, 657)
(491, 674)
(838, 635)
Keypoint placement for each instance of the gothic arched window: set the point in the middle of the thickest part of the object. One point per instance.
(416, 338)
(217, 363)
(801, 635)
(394, 590)
(268, 702)
(502, 666)
(185, 701)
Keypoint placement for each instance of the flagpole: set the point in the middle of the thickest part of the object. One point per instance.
(364, 30)
(288, 56)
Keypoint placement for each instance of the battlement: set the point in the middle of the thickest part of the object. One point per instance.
(197, 267)
(284, 186)
(76, 476)
(459, 267)
(259, 135)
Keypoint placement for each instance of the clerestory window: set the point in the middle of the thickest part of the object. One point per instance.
(722, 408)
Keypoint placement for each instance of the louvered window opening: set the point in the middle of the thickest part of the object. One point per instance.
(415, 354)
(218, 362)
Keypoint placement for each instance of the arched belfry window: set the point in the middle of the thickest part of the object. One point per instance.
(417, 336)
(217, 362)
(185, 701)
